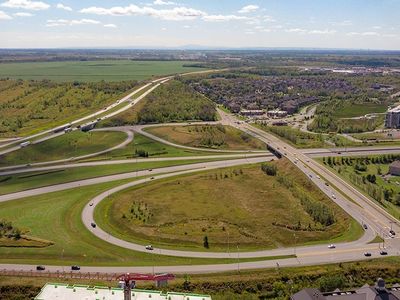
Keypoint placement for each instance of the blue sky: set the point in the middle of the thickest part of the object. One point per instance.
(359, 24)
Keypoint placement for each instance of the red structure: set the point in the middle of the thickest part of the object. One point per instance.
(130, 281)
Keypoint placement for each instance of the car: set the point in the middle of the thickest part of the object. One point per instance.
(383, 252)
(93, 225)
(151, 177)
(331, 246)
(40, 268)
(367, 254)
(365, 226)
(391, 235)
(150, 170)
(91, 204)
(149, 247)
(327, 184)
(310, 175)
(391, 231)
(318, 177)
(333, 196)
(75, 268)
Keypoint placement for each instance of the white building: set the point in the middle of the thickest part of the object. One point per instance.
(393, 118)
(53, 291)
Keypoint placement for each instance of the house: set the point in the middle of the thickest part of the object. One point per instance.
(394, 168)
(377, 292)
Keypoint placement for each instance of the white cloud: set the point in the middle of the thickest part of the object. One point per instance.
(376, 27)
(162, 2)
(366, 33)
(248, 9)
(174, 14)
(186, 26)
(295, 30)
(110, 26)
(63, 22)
(23, 14)
(222, 18)
(64, 7)
(343, 23)
(4, 16)
(26, 4)
(163, 29)
(326, 31)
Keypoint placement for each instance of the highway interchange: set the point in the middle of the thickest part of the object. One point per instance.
(360, 207)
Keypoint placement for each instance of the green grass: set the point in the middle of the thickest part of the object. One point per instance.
(179, 212)
(68, 145)
(30, 180)
(208, 136)
(108, 70)
(351, 110)
(153, 148)
(57, 217)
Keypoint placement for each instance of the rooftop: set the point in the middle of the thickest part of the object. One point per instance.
(54, 291)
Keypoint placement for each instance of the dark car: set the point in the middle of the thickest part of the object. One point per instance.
(392, 232)
(40, 268)
(75, 268)
(365, 226)
(93, 225)
(383, 252)
(367, 254)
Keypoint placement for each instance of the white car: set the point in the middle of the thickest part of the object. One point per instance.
(331, 246)
(333, 196)
(149, 247)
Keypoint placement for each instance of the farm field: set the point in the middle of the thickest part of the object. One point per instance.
(60, 223)
(91, 71)
(235, 206)
(370, 175)
(30, 180)
(68, 145)
(208, 136)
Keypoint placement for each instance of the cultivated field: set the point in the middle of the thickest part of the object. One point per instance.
(236, 206)
(89, 71)
(208, 136)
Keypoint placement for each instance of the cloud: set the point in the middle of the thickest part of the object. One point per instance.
(26, 4)
(295, 30)
(326, 31)
(110, 26)
(63, 22)
(343, 23)
(222, 18)
(4, 16)
(248, 9)
(162, 2)
(64, 7)
(377, 27)
(23, 14)
(174, 14)
(366, 33)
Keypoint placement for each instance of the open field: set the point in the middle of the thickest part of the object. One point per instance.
(208, 136)
(59, 214)
(89, 71)
(145, 145)
(351, 110)
(30, 180)
(68, 145)
(27, 107)
(249, 284)
(370, 176)
(235, 206)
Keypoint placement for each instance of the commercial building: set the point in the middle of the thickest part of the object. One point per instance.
(393, 118)
(53, 291)
(379, 291)
(252, 112)
(394, 168)
(276, 113)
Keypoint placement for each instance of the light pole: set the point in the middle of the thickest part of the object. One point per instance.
(294, 235)
(238, 260)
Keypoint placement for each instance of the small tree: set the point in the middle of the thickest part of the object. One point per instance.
(205, 242)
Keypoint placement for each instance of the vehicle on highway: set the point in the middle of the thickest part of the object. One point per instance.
(151, 177)
(75, 268)
(93, 225)
(391, 235)
(24, 144)
(318, 177)
(391, 231)
(365, 226)
(367, 254)
(327, 184)
(150, 170)
(331, 246)
(40, 268)
(149, 247)
(333, 196)
(91, 204)
(383, 252)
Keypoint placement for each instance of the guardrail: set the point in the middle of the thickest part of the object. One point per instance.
(58, 274)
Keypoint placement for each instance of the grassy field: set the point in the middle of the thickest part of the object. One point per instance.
(235, 206)
(30, 180)
(383, 188)
(68, 145)
(89, 71)
(56, 217)
(208, 136)
(351, 110)
(152, 148)
(27, 107)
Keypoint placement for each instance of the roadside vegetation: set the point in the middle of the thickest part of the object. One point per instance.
(28, 107)
(371, 175)
(208, 136)
(68, 145)
(171, 102)
(234, 206)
